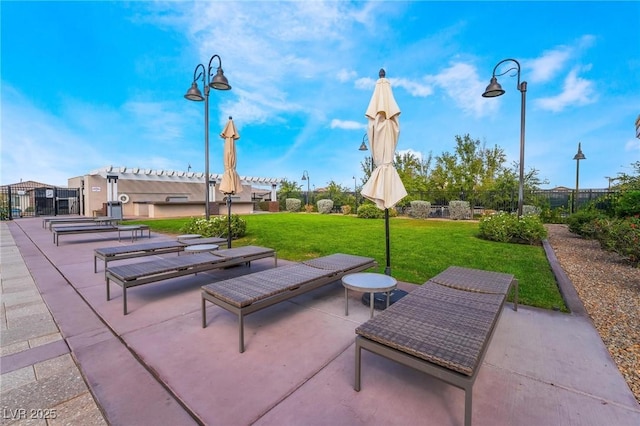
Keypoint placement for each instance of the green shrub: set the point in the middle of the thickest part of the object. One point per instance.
(370, 211)
(420, 209)
(529, 210)
(628, 204)
(217, 226)
(325, 206)
(558, 215)
(581, 222)
(505, 227)
(459, 210)
(346, 209)
(293, 204)
(621, 236)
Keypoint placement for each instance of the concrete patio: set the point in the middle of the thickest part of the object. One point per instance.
(158, 366)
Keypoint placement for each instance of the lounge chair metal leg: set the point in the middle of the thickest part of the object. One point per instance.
(124, 299)
(108, 290)
(241, 331)
(356, 385)
(468, 393)
(204, 314)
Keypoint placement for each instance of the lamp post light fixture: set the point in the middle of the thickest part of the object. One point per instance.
(363, 147)
(305, 176)
(218, 82)
(579, 156)
(493, 90)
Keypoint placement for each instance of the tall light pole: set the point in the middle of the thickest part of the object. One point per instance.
(493, 90)
(218, 82)
(579, 156)
(355, 193)
(305, 176)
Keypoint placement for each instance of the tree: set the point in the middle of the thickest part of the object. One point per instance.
(629, 181)
(412, 173)
(288, 189)
(339, 194)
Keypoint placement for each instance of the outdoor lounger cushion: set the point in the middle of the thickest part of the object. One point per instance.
(249, 293)
(136, 274)
(443, 328)
(109, 254)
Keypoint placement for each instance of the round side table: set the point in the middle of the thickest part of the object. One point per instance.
(200, 248)
(369, 282)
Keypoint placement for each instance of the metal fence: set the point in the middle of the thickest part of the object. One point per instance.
(481, 201)
(500, 201)
(27, 201)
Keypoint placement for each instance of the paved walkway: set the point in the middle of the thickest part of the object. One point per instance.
(40, 379)
(64, 346)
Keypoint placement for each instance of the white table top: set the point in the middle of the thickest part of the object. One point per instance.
(201, 247)
(369, 282)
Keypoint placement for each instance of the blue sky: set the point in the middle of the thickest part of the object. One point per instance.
(92, 84)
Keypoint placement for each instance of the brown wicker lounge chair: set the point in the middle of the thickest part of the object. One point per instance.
(249, 293)
(441, 330)
(136, 274)
(110, 254)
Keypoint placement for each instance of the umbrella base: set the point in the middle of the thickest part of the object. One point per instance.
(380, 299)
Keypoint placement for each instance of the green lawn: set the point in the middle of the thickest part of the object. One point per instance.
(420, 249)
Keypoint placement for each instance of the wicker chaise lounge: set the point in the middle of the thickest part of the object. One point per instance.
(443, 328)
(95, 229)
(249, 293)
(141, 273)
(110, 254)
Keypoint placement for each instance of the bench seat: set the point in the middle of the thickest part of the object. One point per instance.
(443, 328)
(110, 254)
(96, 229)
(135, 274)
(249, 293)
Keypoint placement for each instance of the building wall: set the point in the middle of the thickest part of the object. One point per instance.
(159, 193)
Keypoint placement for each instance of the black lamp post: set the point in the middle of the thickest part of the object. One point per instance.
(493, 90)
(305, 176)
(579, 156)
(355, 192)
(218, 82)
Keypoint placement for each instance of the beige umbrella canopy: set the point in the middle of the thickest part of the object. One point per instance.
(230, 183)
(384, 186)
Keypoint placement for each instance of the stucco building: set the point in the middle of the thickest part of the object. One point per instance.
(148, 193)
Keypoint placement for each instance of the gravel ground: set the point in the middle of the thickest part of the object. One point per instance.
(610, 291)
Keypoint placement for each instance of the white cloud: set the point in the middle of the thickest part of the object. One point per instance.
(461, 83)
(576, 91)
(412, 87)
(345, 75)
(347, 125)
(632, 145)
(553, 61)
(548, 65)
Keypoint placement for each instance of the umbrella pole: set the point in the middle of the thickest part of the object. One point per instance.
(229, 220)
(387, 270)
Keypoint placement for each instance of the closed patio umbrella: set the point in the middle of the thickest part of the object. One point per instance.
(230, 183)
(384, 186)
